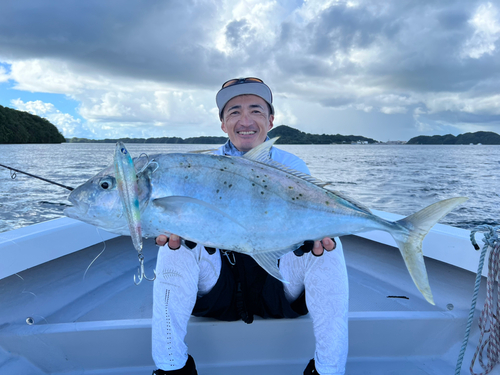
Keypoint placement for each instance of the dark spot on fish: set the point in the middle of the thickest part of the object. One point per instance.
(262, 192)
(293, 199)
(327, 202)
(258, 176)
(265, 212)
(263, 180)
(186, 177)
(265, 186)
(253, 184)
(230, 185)
(222, 170)
(218, 190)
(290, 187)
(300, 195)
(225, 182)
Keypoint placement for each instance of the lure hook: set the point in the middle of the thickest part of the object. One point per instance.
(140, 272)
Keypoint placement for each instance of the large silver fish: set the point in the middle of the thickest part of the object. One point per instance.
(248, 204)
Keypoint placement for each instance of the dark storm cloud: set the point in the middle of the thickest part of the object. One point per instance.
(135, 38)
(387, 57)
(421, 52)
(236, 32)
(341, 27)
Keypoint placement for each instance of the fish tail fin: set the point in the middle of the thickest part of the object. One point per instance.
(409, 241)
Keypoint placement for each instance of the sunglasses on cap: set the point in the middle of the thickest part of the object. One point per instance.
(243, 86)
(237, 81)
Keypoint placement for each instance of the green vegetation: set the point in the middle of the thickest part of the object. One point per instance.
(193, 140)
(23, 127)
(485, 138)
(287, 135)
(293, 136)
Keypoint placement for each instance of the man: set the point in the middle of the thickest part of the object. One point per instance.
(229, 286)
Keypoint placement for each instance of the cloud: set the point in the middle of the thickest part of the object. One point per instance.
(4, 75)
(152, 69)
(486, 25)
(111, 105)
(67, 124)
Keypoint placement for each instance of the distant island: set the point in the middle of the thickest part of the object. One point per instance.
(484, 138)
(287, 135)
(23, 127)
(173, 140)
(291, 136)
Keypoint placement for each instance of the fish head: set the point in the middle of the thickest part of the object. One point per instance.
(97, 202)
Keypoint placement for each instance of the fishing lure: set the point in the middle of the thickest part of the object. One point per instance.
(126, 179)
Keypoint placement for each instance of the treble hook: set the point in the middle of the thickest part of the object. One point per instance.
(141, 273)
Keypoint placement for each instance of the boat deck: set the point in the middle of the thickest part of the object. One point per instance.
(102, 324)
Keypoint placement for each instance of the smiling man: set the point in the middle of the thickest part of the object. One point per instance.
(246, 118)
(231, 286)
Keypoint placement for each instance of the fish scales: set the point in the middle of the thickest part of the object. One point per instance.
(248, 204)
(274, 209)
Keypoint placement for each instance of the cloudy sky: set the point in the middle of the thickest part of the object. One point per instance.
(389, 70)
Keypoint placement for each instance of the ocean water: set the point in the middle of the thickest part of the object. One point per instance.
(394, 178)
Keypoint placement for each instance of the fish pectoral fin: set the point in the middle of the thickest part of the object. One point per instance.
(269, 262)
(175, 203)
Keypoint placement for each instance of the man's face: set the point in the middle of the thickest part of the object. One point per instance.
(246, 121)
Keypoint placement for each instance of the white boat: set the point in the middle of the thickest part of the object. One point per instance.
(55, 321)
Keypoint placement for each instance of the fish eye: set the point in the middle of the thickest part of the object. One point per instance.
(106, 183)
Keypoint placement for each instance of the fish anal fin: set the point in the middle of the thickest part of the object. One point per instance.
(269, 261)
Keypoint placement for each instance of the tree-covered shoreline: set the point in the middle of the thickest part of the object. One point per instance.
(480, 137)
(287, 135)
(22, 127)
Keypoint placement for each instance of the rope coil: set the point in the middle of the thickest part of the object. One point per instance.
(489, 322)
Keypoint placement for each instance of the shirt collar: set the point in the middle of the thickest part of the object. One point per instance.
(230, 150)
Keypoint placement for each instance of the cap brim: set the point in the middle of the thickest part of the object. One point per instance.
(250, 88)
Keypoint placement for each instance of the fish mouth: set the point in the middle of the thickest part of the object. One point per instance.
(78, 210)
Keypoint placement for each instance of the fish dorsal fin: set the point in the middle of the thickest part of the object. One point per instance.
(349, 199)
(296, 173)
(204, 152)
(261, 154)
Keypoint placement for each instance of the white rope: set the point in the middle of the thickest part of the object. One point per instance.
(489, 323)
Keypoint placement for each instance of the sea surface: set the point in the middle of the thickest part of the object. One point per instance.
(394, 178)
